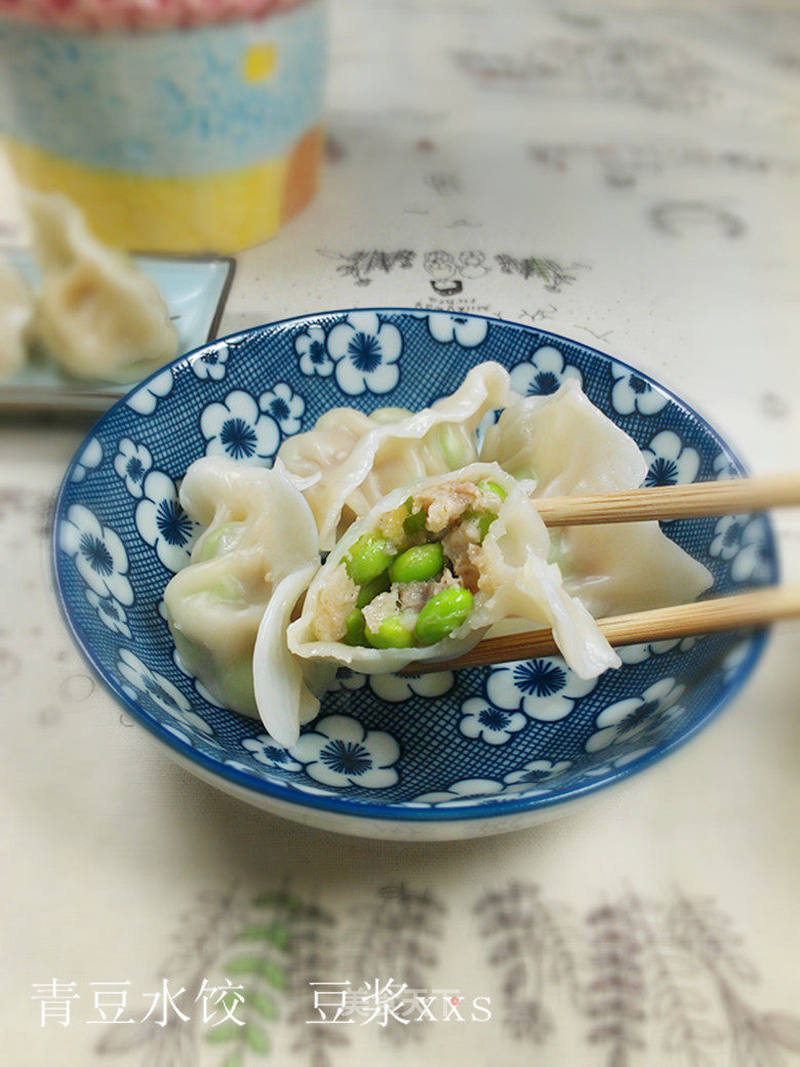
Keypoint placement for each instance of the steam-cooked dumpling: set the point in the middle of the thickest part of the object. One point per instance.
(16, 314)
(259, 530)
(568, 446)
(97, 315)
(353, 460)
(287, 688)
(424, 574)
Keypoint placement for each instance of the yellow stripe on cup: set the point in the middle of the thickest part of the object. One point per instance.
(224, 212)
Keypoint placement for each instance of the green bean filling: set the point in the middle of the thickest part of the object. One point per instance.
(377, 565)
(492, 487)
(443, 613)
(217, 541)
(369, 557)
(455, 445)
(415, 523)
(483, 520)
(420, 563)
(228, 589)
(392, 633)
(354, 628)
(368, 592)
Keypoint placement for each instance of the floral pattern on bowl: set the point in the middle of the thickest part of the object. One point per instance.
(439, 756)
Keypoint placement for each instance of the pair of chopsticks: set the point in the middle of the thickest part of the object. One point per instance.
(697, 499)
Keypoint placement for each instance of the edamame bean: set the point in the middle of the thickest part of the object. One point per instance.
(492, 487)
(456, 445)
(483, 520)
(217, 541)
(443, 613)
(228, 589)
(415, 522)
(419, 563)
(369, 591)
(369, 557)
(354, 632)
(236, 685)
(391, 634)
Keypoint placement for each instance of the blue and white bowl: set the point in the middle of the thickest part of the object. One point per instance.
(435, 757)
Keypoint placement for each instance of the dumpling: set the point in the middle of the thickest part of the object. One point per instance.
(97, 315)
(287, 688)
(568, 447)
(424, 574)
(565, 444)
(16, 315)
(350, 460)
(259, 530)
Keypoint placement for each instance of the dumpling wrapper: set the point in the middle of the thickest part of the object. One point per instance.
(350, 462)
(97, 314)
(287, 690)
(518, 580)
(16, 317)
(214, 607)
(570, 447)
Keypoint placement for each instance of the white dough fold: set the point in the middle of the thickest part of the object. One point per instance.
(351, 460)
(569, 447)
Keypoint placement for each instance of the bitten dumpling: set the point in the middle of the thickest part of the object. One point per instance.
(423, 575)
(350, 460)
(97, 315)
(259, 529)
(16, 316)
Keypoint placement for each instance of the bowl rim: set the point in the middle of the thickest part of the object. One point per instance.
(490, 806)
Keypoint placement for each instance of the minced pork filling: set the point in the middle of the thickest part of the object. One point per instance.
(411, 581)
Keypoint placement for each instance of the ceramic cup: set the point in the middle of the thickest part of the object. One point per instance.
(185, 126)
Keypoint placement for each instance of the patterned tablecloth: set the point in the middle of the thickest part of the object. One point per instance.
(623, 173)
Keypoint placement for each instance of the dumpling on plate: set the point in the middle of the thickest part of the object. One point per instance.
(350, 460)
(422, 576)
(259, 529)
(566, 446)
(16, 316)
(97, 314)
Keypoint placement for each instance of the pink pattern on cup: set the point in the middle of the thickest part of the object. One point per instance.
(137, 14)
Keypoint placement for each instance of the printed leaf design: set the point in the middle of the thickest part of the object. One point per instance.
(280, 901)
(670, 971)
(617, 993)
(119, 1039)
(227, 1031)
(783, 1029)
(256, 1038)
(264, 1005)
(275, 933)
(526, 943)
(314, 956)
(702, 931)
(396, 935)
(257, 967)
(685, 1033)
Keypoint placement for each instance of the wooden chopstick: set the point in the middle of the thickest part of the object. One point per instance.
(757, 608)
(725, 497)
